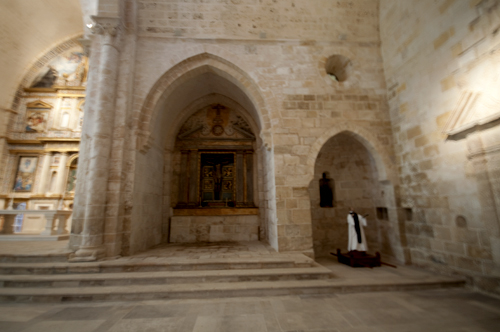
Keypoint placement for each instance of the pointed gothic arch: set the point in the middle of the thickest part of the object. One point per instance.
(186, 70)
(379, 152)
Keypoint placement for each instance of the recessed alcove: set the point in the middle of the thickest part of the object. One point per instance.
(461, 222)
(213, 178)
(338, 67)
(354, 179)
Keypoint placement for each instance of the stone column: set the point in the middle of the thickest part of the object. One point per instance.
(99, 142)
(61, 173)
(78, 216)
(44, 177)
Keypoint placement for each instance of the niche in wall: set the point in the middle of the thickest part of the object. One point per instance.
(338, 67)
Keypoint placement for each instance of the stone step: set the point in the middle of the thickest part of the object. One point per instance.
(163, 277)
(120, 266)
(46, 258)
(215, 290)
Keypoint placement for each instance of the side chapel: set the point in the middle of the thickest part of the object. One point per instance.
(213, 191)
(44, 138)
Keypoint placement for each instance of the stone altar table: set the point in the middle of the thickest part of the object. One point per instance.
(52, 223)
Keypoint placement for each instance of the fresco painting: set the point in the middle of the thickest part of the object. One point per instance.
(36, 121)
(68, 69)
(25, 177)
(71, 180)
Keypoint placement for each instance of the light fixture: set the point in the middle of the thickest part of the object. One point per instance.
(89, 25)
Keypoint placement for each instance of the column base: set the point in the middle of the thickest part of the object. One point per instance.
(87, 254)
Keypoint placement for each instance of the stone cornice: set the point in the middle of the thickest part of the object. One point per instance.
(8, 110)
(484, 152)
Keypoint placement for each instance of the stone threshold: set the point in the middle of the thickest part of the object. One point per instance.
(151, 266)
(216, 212)
(33, 237)
(162, 277)
(217, 290)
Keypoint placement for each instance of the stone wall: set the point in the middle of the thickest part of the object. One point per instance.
(189, 229)
(283, 76)
(259, 19)
(306, 72)
(429, 65)
(354, 175)
(145, 228)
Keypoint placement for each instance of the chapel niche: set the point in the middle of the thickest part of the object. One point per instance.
(216, 160)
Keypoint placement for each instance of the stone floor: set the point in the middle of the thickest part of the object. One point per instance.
(450, 310)
(210, 250)
(444, 310)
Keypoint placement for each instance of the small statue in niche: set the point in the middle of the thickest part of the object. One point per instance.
(326, 193)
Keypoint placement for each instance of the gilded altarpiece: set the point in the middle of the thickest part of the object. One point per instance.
(216, 166)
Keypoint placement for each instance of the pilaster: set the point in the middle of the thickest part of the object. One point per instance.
(44, 178)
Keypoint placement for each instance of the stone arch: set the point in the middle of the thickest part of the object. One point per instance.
(183, 71)
(48, 55)
(171, 99)
(388, 234)
(71, 159)
(369, 141)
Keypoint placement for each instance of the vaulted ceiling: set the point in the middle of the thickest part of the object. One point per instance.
(28, 29)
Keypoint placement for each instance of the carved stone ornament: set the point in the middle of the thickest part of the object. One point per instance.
(106, 25)
(216, 122)
(217, 130)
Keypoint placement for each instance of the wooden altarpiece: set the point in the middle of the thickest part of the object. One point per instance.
(217, 160)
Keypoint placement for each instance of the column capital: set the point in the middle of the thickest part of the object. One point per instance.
(104, 25)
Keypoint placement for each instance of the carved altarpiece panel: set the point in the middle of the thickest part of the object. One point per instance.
(216, 146)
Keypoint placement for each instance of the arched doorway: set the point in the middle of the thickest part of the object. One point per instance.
(351, 172)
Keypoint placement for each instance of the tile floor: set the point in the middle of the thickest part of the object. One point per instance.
(449, 310)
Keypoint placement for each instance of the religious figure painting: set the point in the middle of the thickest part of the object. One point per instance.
(25, 176)
(67, 69)
(71, 180)
(80, 120)
(36, 121)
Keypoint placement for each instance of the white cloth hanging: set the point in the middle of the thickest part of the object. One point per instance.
(353, 236)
